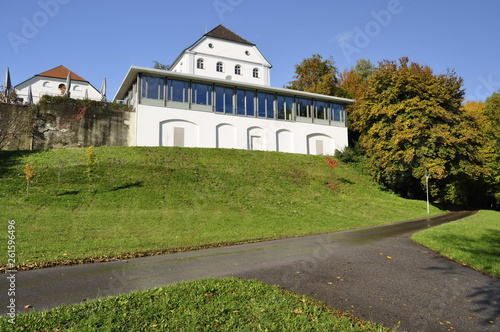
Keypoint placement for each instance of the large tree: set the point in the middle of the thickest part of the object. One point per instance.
(492, 146)
(316, 75)
(412, 124)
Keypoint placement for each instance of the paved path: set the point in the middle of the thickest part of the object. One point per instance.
(377, 273)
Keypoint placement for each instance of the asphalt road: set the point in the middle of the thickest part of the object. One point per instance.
(377, 273)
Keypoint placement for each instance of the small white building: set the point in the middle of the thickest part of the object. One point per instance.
(53, 83)
(200, 106)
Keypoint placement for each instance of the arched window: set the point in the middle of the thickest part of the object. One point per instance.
(220, 67)
(256, 72)
(200, 64)
(47, 84)
(237, 70)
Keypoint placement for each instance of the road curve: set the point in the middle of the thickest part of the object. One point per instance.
(378, 273)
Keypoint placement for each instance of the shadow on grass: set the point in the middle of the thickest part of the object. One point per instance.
(10, 159)
(69, 193)
(346, 181)
(128, 185)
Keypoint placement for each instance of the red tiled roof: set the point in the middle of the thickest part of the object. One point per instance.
(222, 32)
(61, 72)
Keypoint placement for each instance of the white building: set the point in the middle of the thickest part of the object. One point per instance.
(223, 54)
(200, 106)
(53, 83)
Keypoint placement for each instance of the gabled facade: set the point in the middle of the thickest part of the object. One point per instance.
(53, 83)
(194, 107)
(223, 54)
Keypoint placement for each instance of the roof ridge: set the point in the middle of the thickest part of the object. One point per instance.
(222, 32)
(61, 72)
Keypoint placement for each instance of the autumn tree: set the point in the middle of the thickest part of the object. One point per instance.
(316, 75)
(411, 122)
(355, 80)
(492, 145)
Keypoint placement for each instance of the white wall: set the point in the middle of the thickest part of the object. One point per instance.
(50, 86)
(230, 54)
(155, 127)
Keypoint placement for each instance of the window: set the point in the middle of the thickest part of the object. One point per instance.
(256, 72)
(265, 105)
(338, 112)
(153, 87)
(245, 102)
(321, 110)
(202, 94)
(223, 100)
(237, 70)
(200, 64)
(47, 84)
(220, 67)
(178, 91)
(304, 107)
(285, 107)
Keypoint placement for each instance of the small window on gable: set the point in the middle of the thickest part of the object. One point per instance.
(256, 72)
(47, 84)
(220, 67)
(200, 64)
(77, 88)
(237, 70)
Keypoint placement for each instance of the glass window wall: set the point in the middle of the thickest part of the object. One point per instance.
(178, 91)
(201, 94)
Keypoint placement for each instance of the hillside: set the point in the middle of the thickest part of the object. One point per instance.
(146, 200)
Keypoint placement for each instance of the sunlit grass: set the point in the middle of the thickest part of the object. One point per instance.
(161, 199)
(474, 241)
(205, 305)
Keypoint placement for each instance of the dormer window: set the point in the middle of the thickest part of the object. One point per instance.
(237, 70)
(220, 67)
(256, 72)
(200, 64)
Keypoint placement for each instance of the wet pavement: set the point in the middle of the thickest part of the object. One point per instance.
(377, 273)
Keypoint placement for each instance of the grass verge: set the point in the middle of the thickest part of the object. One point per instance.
(474, 241)
(224, 304)
(141, 201)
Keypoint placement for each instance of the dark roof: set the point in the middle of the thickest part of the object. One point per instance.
(222, 32)
(61, 72)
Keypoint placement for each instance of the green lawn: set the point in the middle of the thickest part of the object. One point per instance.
(204, 305)
(146, 200)
(474, 241)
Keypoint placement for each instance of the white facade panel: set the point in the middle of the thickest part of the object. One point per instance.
(155, 127)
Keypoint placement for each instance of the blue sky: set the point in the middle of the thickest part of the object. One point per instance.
(97, 38)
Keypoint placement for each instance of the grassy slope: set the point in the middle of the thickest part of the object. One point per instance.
(161, 198)
(474, 241)
(203, 305)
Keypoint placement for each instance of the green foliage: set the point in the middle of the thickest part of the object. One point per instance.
(49, 102)
(315, 75)
(410, 122)
(472, 241)
(492, 146)
(224, 304)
